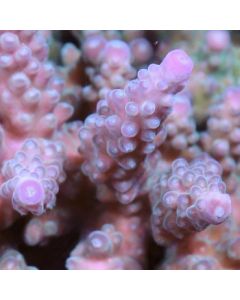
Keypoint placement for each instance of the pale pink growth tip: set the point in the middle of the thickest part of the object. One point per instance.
(29, 192)
(177, 66)
(215, 207)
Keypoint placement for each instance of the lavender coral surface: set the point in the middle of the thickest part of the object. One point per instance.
(129, 125)
(119, 150)
(32, 176)
(190, 198)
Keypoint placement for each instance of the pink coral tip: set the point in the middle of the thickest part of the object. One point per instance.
(215, 207)
(177, 66)
(29, 193)
(98, 243)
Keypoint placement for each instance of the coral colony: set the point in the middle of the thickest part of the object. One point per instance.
(119, 150)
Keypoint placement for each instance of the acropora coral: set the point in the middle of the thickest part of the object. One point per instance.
(119, 150)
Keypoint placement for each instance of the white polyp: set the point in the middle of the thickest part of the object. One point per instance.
(170, 199)
(131, 109)
(32, 96)
(128, 163)
(102, 165)
(180, 171)
(102, 107)
(9, 42)
(112, 149)
(188, 178)
(20, 156)
(25, 120)
(123, 186)
(19, 83)
(152, 123)
(84, 134)
(201, 182)
(174, 182)
(219, 212)
(98, 243)
(222, 187)
(17, 168)
(148, 136)
(23, 55)
(52, 171)
(195, 192)
(113, 122)
(143, 74)
(40, 171)
(126, 145)
(214, 167)
(215, 179)
(30, 145)
(153, 68)
(52, 96)
(180, 162)
(129, 129)
(6, 61)
(49, 121)
(149, 148)
(148, 108)
(32, 68)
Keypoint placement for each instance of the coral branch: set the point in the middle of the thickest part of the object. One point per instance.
(128, 125)
(189, 199)
(13, 260)
(32, 176)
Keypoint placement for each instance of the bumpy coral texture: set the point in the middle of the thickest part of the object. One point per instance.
(182, 135)
(118, 152)
(128, 125)
(109, 66)
(41, 228)
(217, 247)
(223, 135)
(100, 249)
(30, 108)
(189, 199)
(13, 260)
(117, 246)
(29, 90)
(32, 176)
